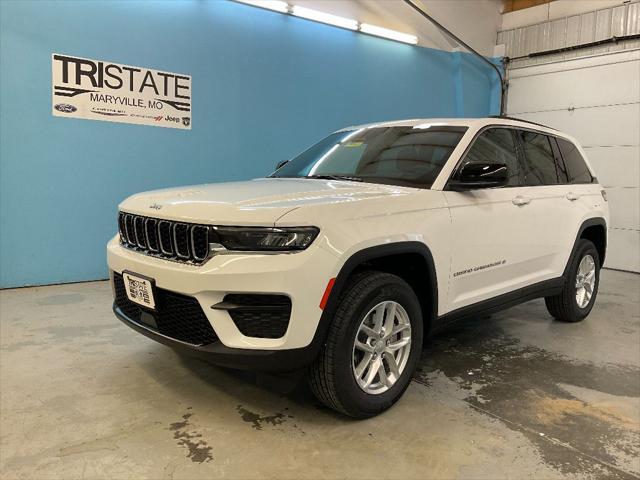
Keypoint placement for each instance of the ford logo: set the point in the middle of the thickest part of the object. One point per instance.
(65, 108)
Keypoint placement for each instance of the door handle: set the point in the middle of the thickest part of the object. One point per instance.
(520, 200)
(572, 196)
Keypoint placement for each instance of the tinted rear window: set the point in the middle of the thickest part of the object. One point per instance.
(540, 164)
(577, 170)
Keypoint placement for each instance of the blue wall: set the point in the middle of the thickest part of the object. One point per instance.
(265, 85)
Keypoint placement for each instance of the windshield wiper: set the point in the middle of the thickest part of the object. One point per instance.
(336, 177)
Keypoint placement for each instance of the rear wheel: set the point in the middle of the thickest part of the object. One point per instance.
(372, 348)
(580, 288)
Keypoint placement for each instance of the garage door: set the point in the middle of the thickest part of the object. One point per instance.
(597, 100)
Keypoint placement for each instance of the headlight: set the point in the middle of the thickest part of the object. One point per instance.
(270, 239)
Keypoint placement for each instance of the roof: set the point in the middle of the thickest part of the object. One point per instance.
(457, 122)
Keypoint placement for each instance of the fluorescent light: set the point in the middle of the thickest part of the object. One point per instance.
(335, 20)
(324, 17)
(275, 5)
(390, 34)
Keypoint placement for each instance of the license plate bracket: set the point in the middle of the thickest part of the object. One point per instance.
(140, 289)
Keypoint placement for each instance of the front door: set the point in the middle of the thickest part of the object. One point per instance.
(498, 234)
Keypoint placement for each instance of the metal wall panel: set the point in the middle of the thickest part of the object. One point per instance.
(603, 24)
(619, 21)
(531, 38)
(587, 27)
(544, 37)
(633, 19)
(573, 31)
(558, 34)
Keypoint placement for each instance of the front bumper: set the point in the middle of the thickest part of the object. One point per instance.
(301, 276)
(218, 354)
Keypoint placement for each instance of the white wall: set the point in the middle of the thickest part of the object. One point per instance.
(474, 21)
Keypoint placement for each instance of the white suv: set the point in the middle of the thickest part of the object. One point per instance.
(348, 255)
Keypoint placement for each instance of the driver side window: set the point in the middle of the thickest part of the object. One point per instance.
(497, 145)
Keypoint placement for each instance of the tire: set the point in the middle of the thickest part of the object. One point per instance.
(332, 377)
(565, 306)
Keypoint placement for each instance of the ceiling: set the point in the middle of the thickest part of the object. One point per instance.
(474, 21)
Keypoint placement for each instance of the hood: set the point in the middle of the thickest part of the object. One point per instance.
(255, 202)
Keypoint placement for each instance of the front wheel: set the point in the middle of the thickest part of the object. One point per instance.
(372, 348)
(580, 288)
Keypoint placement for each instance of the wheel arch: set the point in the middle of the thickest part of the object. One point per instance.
(392, 258)
(595, 230)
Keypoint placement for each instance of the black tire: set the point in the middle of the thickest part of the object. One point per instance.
(331, 376)
(564, 306)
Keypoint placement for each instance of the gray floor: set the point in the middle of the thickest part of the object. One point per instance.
(516, 395)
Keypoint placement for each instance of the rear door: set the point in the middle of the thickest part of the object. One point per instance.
(553, 206)
(583, 191)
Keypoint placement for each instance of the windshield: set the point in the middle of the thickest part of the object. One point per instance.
(409, 156)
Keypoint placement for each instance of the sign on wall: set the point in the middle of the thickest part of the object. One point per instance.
(100, 90)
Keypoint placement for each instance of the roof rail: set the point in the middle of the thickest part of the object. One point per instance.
(506, 117)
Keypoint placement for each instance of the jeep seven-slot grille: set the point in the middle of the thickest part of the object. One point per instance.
(183, 242)
(176, 316)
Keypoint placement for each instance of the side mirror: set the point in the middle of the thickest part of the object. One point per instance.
(474, 175)
(281, 164)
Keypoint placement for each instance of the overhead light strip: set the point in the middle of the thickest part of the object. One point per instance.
(275, 5)
(322, 17)
(387, 33)
(330, 19)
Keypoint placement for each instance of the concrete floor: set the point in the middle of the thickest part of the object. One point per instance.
(516, 395)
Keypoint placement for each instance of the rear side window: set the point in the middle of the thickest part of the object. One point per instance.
(497, 145)
(577, 170)
(560, 166)
(540, 165)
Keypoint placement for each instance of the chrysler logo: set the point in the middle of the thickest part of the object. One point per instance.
(155, 206)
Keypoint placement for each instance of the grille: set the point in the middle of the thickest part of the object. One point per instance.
(260, 316)
(176, 316)
(183, 242)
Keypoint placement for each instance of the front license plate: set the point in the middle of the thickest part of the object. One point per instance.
(139, 290)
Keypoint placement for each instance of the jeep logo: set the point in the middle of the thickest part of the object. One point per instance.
(169, 118)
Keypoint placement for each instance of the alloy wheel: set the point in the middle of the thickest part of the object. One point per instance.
(381, 347)
(585, 281)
